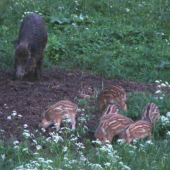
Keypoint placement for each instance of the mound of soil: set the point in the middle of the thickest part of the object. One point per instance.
(30, 98)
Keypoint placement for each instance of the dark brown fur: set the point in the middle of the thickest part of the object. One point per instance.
(29, 47)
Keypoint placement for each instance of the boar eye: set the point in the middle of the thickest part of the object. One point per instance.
(24, 60)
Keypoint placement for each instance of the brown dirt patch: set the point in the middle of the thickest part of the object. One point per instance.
(30, 98)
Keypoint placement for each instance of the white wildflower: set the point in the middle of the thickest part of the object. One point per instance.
(80, 145)
(9, 118)
(25, 126)
(81, 17)
(43, 129)
(16, 142)
(14, 113)
(149, 142)
(34, 141)
(96, 142)
(168, 114)
(48, 139)
(127, 9)
(38, 147)
(65, 149)
(163, 85)
(158, 91)
(131, 151)
(107, 164)
(121, 141)
(168, 133)
(26, 134)
(159, 86)
(16, 147)
(25, 150)
(121, 163)
(157, 81)
(126, 167)
(41, 159)
(3, 156)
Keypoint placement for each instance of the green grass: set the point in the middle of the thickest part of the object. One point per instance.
(125, 39)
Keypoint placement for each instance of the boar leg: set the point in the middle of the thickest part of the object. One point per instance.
(128, 140)
(15, 69)
(73, 120)
(57, 122)
(38, 70)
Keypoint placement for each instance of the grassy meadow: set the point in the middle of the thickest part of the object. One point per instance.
(113, 38)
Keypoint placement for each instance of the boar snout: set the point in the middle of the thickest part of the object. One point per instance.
(20, 72)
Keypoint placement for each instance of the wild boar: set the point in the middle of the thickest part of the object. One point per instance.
(112, 95)
(55, 113)
(29, 47)
(110, 125)
(151, 112)
(137, 130)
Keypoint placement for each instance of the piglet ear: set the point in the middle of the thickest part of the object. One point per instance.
(104, 132)
(15, 42)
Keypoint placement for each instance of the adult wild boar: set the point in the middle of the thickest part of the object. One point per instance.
(29, 47)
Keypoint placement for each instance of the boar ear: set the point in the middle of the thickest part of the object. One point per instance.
(15, 42)
(32, 47)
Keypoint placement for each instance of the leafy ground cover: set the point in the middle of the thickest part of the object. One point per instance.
(108, 42)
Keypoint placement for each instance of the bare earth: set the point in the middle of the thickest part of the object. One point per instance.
(30, 98)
